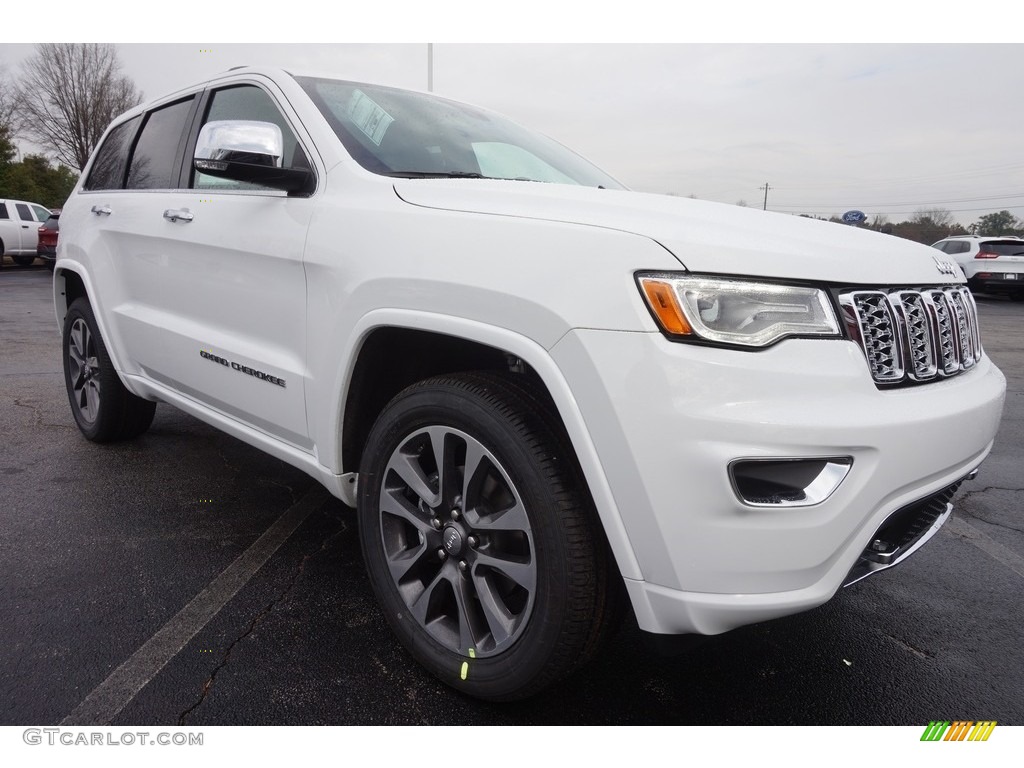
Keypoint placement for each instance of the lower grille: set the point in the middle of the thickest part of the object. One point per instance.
(904, 531)
(914, 335)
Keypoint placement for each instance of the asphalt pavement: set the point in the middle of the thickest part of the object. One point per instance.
(185, 578)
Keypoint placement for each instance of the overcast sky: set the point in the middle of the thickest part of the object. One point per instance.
(886, 129)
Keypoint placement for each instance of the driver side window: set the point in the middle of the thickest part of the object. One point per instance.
(248, 102)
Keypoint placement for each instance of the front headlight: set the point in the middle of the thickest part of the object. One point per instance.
(741, 312)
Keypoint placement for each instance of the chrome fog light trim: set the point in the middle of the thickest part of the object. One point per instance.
(787, 482)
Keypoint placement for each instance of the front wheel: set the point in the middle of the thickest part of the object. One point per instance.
(480, 541)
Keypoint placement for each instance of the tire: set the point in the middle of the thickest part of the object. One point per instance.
(24, 261)
(496, 583)
(103, 409)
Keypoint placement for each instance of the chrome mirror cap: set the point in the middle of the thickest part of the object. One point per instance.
(239, 141)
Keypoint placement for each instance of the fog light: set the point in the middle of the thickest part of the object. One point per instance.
(787, 482)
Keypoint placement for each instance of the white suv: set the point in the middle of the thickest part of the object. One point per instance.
(991, 264)
(535, 386)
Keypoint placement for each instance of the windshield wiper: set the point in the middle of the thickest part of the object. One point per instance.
(436, 175)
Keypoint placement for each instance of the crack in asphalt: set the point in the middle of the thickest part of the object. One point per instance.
(260, 616)
(38, 415)
(919, 652)
(969, 494)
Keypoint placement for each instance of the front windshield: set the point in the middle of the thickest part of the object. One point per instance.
(413, 135)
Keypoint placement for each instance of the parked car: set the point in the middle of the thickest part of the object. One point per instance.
(538, 389)
(19, 230)
(48, 233)
(991, 264)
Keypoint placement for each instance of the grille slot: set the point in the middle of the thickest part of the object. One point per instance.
(914, 335)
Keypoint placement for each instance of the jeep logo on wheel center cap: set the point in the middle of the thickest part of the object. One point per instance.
(452, 540)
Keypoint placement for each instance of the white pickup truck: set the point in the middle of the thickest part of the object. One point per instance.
(540, 390)
(19, 230)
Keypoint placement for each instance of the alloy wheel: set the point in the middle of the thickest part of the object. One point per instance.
(84, 370)
(457, 541)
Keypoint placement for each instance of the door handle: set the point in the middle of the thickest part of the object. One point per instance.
(180, 214)
(102, 210)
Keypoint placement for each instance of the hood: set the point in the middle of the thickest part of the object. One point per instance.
(703, 236)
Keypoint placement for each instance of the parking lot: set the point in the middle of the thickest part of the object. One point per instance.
(102, 548)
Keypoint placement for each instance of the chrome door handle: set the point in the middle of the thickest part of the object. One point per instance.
(181, 214)
(102, 210)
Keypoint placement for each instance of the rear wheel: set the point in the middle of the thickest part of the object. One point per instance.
(481, 545)
(23, 260)
(103, 409)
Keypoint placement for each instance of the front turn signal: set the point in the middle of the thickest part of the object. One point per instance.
(661, 298)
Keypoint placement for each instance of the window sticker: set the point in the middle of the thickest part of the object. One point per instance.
(368, 116)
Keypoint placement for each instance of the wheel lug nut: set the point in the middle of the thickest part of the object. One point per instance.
(442, 554)
(435, 524)
(463, 565)
(455, 514)
(472, 541)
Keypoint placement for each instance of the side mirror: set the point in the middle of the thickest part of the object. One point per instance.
(248, 150)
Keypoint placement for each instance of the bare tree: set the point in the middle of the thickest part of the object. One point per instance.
(7, 148)
(67, 95)
(6, 104)
(940, 217)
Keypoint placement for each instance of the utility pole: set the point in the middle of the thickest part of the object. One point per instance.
(430, 67)
(765, 188)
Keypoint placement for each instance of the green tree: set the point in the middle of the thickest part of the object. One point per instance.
(7, 149)
(38, 180)
(1000, 223)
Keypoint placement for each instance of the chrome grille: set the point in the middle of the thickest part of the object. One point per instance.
(914, 335)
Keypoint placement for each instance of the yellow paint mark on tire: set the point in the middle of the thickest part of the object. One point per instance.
(465, 670)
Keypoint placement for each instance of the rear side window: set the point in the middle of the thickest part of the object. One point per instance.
(954, 246)
(23, 212)
(108, 168)
(154, 163)
(3, 211)
(1004, 247)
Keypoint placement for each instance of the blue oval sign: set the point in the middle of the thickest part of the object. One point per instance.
(854, 217)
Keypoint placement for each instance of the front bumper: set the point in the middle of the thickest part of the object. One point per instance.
(667, 420)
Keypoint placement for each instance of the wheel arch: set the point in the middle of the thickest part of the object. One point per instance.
(369, 382)
(71, 282)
